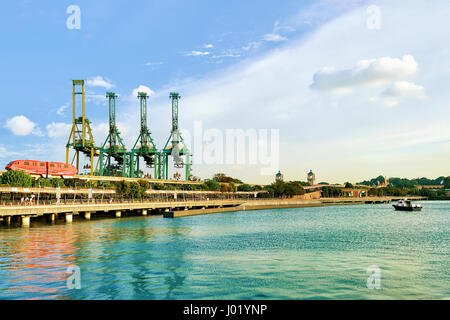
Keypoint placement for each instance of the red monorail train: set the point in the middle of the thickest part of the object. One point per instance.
(44, 169)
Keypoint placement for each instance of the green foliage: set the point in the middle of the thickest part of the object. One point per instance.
(331, 192)
(301, 183)
(285, 189)
(132, 190)
(407, 183)
(43, 183)
(374, 182)
(406, 192)
(221, 177)
(348, 185)
(157, 186)
(17, 179)
(447, 183)
(212, 185)
(245, 188)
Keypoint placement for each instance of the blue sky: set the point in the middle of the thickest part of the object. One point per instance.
(312, 69)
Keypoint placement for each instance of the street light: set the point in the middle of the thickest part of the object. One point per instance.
(75, 192)
(39, 192)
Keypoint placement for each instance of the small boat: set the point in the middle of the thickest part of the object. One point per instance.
(406, 205)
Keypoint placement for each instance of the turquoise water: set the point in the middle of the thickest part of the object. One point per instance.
(303, 253)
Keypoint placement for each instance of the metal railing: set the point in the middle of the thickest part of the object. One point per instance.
(19, 203)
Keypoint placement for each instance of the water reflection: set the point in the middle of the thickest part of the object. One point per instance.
(35, 261)
(176, 263)
(285, 254)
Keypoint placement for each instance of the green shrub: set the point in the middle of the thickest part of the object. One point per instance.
(17, 179)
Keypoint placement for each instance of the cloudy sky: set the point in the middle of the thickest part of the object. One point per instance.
(354, 89)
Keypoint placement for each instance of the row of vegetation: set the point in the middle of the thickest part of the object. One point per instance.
(223, 183)
(22, 179)
(408, 183)
(408, 192)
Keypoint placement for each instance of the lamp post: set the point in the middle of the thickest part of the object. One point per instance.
(39, 192)
(75, 192)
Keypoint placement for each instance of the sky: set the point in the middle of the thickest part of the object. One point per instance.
(350, 89)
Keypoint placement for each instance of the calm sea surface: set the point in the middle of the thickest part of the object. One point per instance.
(305, 253)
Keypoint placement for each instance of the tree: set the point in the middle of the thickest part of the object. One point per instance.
(143, 187)
(245, 188)
(17, 178)
(134, 191)
(123, 188)
(348, 185)
(447, 183)
(221, 177)
(212, 185)
(285, 189)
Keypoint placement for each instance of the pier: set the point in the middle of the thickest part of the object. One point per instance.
(168, 209)
(117, 209)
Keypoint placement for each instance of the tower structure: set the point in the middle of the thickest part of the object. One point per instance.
(279, 176)
(174, 147)
(311, 177)
(80, 138)
(113, 148)
(144, 147)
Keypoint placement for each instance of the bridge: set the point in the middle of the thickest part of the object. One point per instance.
(87, 208)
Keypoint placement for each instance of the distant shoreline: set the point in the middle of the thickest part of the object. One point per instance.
(287, 203)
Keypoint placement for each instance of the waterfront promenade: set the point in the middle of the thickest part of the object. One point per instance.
(169, 209)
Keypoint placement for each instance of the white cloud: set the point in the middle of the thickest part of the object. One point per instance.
(226, 55)
(58, 129)
(22, 126)
(61, 109)
(99, 82)
(352, 141)
(208, 46)
(273, 37)
(252, 45)
(144, 89)
(195, 53)
(392, 95)
(373, 72)
(100, 132)
(152, 64)
(273, 91)
(405, 89)
(99, 99)
(6, 152)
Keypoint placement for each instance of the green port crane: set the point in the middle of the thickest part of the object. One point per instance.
(174, 147)
(113, 148)
(80, 138)
(144, 147)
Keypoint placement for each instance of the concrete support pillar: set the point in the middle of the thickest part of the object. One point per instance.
(118, 214)
(69, 217)
(144, 212)
(8, 220)
(25, 221)
(52, 217)
(166, 210)
(87, 215)
(186, 209)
